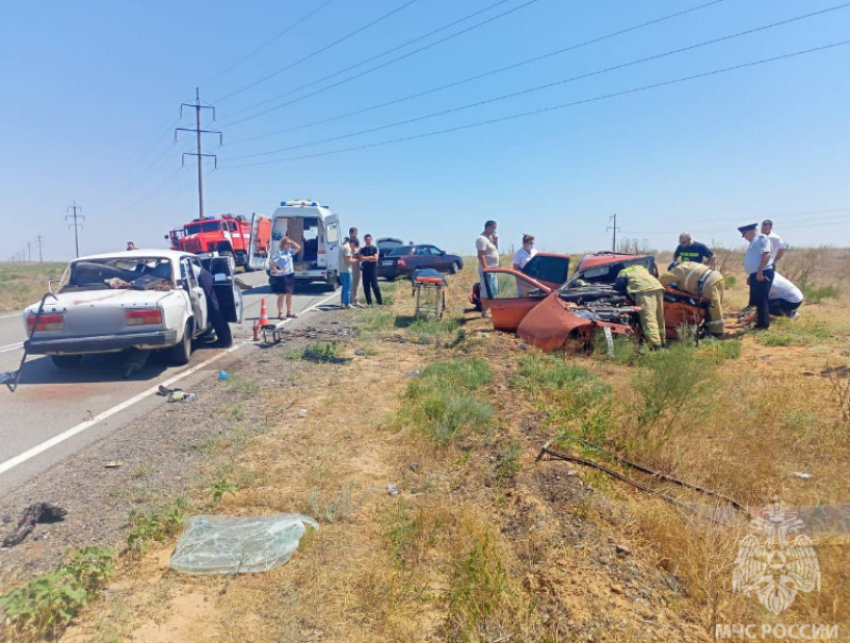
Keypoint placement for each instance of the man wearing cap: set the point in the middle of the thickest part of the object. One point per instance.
(702, 281)
(777, 246)
(757, 264)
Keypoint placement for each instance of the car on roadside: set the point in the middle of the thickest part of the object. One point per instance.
(387, 244)
(546, 315)
(145, 300)
(403, 260)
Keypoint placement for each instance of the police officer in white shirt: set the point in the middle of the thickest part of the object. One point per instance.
(777, 246)
(784, 298)
(758, 266)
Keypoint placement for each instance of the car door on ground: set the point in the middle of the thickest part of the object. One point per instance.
(514, 298)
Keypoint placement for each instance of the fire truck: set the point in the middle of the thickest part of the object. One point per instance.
(249, 242)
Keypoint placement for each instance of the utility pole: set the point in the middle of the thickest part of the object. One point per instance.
(614, 229)
(29, 251)
(40, 242)
(75, 224)
(197, 106)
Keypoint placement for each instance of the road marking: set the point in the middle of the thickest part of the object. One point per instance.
(58, 439)
(11, 347)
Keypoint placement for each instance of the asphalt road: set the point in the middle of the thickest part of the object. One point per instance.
(56, 413)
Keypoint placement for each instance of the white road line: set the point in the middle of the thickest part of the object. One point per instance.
(11, 347)
(58, 439)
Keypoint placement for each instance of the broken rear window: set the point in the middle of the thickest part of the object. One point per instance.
(139, 273)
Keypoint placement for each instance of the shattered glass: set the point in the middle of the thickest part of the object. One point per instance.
(233, 545)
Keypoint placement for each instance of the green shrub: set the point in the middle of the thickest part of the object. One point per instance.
(729, 281)
(449, 417)
(787, 333)
(815, 294)
(672, 384)
(53, 599)
(537, 373)
(154, 526)
(718, 350)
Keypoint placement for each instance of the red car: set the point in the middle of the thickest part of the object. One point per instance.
(546, 313)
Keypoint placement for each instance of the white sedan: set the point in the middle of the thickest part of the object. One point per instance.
(142, 299)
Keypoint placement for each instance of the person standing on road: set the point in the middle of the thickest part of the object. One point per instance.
(369, 256)
(777, 246)
(355, 269)
(282, 266)
(648, 293)
(487, 245)
(694, 251)
(224, 337)
(760, 270)
(525, 253)
(346, 261)
(702, 281)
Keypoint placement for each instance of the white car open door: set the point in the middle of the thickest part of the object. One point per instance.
(260, 244)
(228, 294)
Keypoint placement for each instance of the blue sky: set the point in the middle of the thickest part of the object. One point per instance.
(92, 88)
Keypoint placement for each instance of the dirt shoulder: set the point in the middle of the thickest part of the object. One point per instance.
(481, 542)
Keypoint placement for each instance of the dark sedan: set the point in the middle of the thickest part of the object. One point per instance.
(402, 261)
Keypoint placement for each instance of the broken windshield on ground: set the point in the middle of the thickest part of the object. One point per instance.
(140, 273)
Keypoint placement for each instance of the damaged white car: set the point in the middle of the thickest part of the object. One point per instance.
(142, 300)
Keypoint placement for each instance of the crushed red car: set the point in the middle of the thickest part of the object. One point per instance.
(546, 310)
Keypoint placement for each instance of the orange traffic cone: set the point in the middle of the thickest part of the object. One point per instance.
(264, 314)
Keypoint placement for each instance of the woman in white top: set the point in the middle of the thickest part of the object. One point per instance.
(524, 254)
(282, 265)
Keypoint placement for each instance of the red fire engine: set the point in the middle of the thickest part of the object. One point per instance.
(227, 235)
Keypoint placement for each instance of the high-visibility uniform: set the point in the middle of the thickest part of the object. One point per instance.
(648, 293)
(702, 281)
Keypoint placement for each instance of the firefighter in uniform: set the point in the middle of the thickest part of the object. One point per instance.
(648, 293)
(703, 281)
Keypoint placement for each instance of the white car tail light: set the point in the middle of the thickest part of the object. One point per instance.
(143, 316)
(46, 322)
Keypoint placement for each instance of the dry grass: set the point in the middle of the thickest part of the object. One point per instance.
(484, 544)
(24, 284)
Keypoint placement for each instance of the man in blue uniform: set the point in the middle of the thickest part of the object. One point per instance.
(757, 264)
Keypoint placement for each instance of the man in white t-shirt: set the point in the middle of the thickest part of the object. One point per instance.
(487, 245)
(777, 246)
(784, 298)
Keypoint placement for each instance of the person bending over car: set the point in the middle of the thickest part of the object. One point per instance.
(648, 293)
(700, 280)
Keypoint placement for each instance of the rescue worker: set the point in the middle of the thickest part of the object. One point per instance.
(224, 337)
(758, 266)
(648, 293)
(700, 280)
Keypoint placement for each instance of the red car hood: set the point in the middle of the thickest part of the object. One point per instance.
(553, 321)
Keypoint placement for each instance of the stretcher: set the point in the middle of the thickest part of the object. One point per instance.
(427, 282)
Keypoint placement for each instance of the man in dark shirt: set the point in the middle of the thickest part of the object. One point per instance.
(216, 316)
(369, 270)
(690, 250)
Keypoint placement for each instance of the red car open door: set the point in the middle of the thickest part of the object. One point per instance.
(511, 297)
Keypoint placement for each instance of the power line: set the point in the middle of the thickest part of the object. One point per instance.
(553, 108)
(537, 88)
(318, 51)
(77, 225)
(493, 72)
(197, 106)
(803, 220)
(614, 228)
(152, 191)
(280, 35)
(385, 64)
(407, 43)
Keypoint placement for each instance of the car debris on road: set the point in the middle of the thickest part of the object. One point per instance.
(40, 512)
